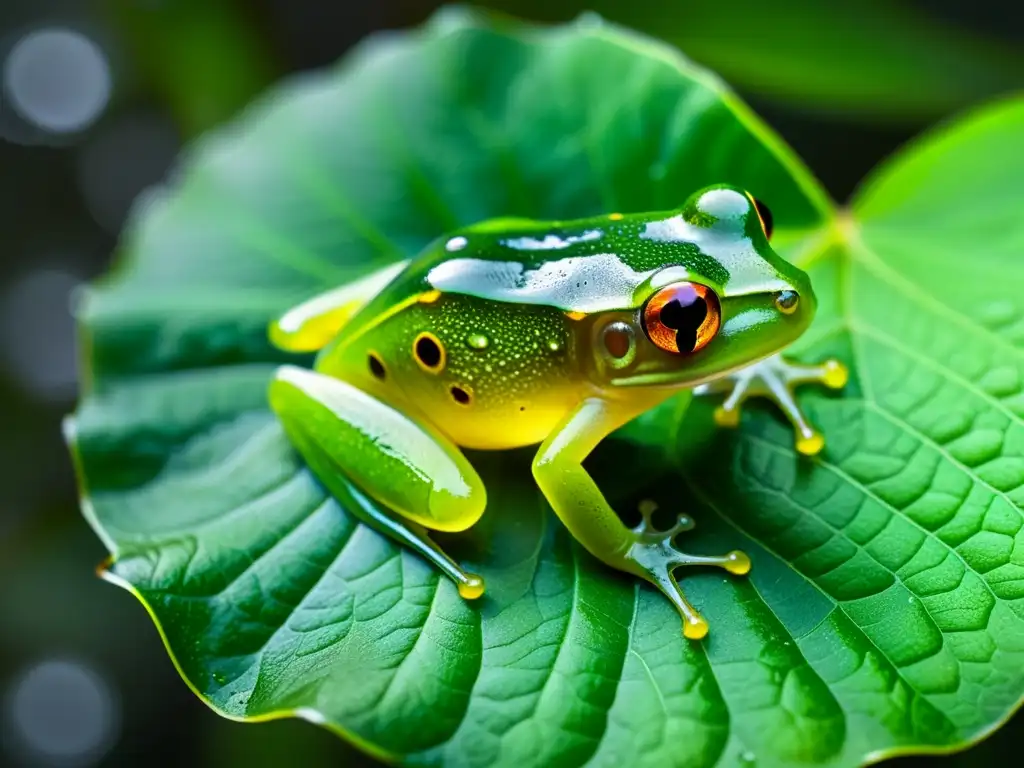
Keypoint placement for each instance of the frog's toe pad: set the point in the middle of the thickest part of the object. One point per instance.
(834, 374)
(695, 627)
(737, 563)
(810, 444)
(727, 417)
(647, 528)
(472, 587)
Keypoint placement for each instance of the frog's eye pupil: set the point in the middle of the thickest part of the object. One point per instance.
(685, 321)
(767, 220)
(682, 317)
(787, 302)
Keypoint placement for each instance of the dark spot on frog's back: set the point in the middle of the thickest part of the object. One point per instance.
(429, 352)
(377, 367)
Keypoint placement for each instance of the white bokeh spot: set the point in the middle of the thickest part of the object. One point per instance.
(37, 333)
(57, 79)
(61, 713)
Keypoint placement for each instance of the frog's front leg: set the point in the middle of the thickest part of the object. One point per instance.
(776, 378)
(396, 475)
(579, 503)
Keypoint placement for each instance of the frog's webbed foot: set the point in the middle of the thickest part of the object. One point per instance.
(776, 378)
(654, 556)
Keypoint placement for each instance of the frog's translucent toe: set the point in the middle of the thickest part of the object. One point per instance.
(654, 556)
(776, 378)
(810, 445)
(694, 625)
(646, 528)
(696, 628)
(737, 563)
(834, 374)
(727, 417)
(471, 587)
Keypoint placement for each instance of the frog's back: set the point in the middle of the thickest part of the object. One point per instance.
(582, 267)
(482, 333)
(573, 267)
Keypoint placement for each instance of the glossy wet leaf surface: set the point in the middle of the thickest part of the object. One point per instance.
(884, 611)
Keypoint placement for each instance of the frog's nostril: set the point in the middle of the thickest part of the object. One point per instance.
(787, 302)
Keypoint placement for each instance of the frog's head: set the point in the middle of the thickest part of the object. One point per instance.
(723, 300)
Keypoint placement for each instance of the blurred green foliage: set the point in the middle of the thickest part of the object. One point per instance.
(866, 60)
(205, 59)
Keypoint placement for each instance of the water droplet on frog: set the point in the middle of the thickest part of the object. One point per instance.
(555, 345)
(456, 244)
(478, 341)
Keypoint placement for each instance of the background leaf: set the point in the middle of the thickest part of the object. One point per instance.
(881, 608)
(884, 61)
(206, 60)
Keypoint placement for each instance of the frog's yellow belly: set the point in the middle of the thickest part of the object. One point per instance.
(504, 422)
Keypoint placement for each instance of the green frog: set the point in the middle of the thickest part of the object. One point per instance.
(515, 332)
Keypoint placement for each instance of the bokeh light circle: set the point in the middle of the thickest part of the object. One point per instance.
(37, 333)
(61, 713)
(57, 79)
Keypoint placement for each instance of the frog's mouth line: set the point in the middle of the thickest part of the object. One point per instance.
(673, 379)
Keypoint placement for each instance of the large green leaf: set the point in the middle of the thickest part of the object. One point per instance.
(883, 611)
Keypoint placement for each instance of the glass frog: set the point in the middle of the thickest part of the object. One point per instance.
(514, 332)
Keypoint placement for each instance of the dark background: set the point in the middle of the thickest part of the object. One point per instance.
(97, 99)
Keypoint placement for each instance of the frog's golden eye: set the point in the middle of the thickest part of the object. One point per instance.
(682, 318)
(764, 213)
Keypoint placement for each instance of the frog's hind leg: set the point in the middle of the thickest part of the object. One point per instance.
(309, 326)
(405, 532)
(776, 378)
(396, 475)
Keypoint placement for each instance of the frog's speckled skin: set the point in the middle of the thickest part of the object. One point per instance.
(514, 332)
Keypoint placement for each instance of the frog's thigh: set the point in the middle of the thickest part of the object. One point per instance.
(309, 326)
(406, 466)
